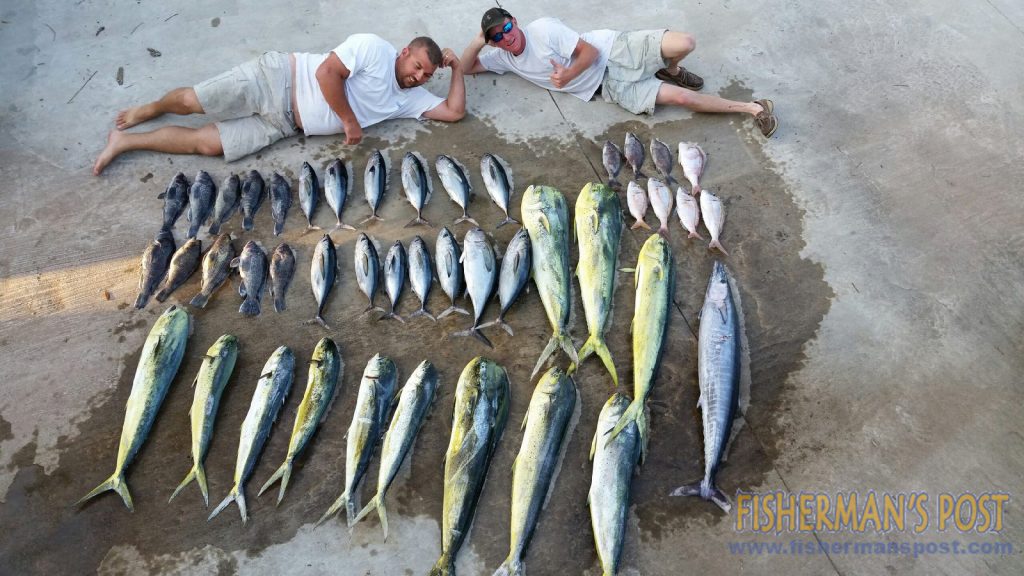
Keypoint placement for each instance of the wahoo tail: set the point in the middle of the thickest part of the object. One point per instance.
(596, 345)
(236, 495)
(117, 483)
(284, 473)
(634, 413)
(197, 473)
(706, 490)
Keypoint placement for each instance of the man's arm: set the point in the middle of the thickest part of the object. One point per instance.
(454, 108)
(583, 56)
(471, 55)
(331, 75)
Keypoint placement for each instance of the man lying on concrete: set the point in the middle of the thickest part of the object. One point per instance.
(636, 70)
(363, 81)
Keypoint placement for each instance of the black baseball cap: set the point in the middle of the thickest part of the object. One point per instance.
(493, 17)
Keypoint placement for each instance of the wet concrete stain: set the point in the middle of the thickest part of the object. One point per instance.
(784, 300)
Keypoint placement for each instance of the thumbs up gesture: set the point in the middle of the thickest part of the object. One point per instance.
(560, 76)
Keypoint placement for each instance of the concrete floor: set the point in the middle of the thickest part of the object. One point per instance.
(875, 240)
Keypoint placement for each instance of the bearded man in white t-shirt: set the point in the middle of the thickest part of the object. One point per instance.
(363, 81)
(637, 70)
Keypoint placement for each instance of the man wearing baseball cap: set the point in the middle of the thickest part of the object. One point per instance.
(637, 70)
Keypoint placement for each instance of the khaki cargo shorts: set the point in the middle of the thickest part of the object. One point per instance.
(629, 79)
(254, 102)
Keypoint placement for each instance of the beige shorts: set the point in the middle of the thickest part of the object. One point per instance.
(629, 79)
(253, 101)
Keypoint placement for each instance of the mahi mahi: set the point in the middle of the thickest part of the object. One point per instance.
(159, 362)
(550, 419)
(598, 229)
(614, 464)
(718, 372)
(545, 216)
(414, 401)
(271, 391)
(481, 410)
(218, 364)
(325, 370)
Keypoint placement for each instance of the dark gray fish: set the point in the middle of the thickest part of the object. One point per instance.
(481, 270)
(394, 277)
(634, 151)
(515, 273)
(611, 157)
(367, 264)
(282, 269)
(252, 197)
(375, 182)
(309, 193)
(322, 274)
(175, 198)
(280, 201)
(417, 184)
(227, 202)
(455, 179)
(449, 269)
(216, 269)
(200, 202)
(252, 266)
(662, 157)
(183, 265)
(498, 181)
(337, 185)
(421, 275)
(155, 261)
(718, 372)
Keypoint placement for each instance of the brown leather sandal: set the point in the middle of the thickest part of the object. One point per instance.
(765, 120)
(684, 78)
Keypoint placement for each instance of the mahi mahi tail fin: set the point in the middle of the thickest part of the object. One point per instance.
(445, 566)
(706, 490)
(117, 483)
(197, 473)
(557, 339)
(512, 566)
(342, 500)
(596, 345)
(638, 414)
(236, 495)
(377, 502)
(284, 473)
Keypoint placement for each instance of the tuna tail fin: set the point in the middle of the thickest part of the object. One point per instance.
(279, 304)
(508, 220)
(246, 223)
(445, 566)
(284, 473)
(423, 312)
(341, 501)
(695, 234)
(640, 224)
(417, 221)
(200, 300)
(475, 332)
(237, 496)
(141, 301)
(372, 308)
(392, 315)
(716, 244)
(377, 502)
(370, 218)
(341, 225)
(500, 322)
(465, 218)
(197, 473)
(214, 228)
(634, 413)
(512, 566)
(663, 230)
(453, 309)
(706, 490)
(250, 307)
(117, 483)
(596, 345)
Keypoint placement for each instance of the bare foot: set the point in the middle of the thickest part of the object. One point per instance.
(111, 151)
(130, 117)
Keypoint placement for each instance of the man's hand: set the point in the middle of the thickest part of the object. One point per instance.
(478, 41)
(561, 75)
(450, 60)
(353, 133)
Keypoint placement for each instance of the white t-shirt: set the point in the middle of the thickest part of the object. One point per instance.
(371, 88)
(549, 39)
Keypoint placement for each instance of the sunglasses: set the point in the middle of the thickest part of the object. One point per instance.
(505, 30)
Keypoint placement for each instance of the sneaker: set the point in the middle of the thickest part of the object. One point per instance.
(683, 78)
(765, 120)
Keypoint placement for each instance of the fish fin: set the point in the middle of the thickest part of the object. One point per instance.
(162, 195)
(695, 234)
(418, 221)
(200, 300)
(197, 473)
(283, 473)
(335, 507)
(596, 345)
(214, 228)
(640, 224)
(250, 307)
(465, 218)
(544, 221)
(117, 483)
(523, 425)
(475, 331)
(445, 566)
(500, 323)
(545, 354)
(247, 223)
(423, 312)
(279, 303)
(141, 301)
(372, 308)
(371, 218)
(512, 566)
(638, 174)
(508, 220)
(707, 491)
(700, 400)
(452, 310)
(320, 320)
(716, 244)
(634, 413)
(233, 496)
(235, 262)
(344, 226)
(663, 230)
(568, 347)
(392, 314)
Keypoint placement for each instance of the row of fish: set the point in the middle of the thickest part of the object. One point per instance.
(202, 202)
(691, 157)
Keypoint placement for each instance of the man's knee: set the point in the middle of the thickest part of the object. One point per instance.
(689, 43)
(189, 100)
(678, 44)
(208, 143)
